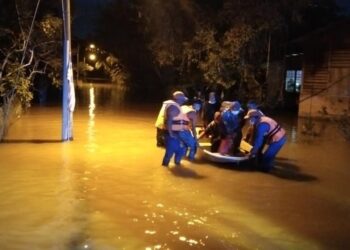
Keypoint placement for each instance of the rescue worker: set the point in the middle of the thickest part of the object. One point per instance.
(251, 104)
(266, 132)
(189, 135)
(160, 125)
(175, 121)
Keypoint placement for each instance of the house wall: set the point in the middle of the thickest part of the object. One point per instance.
(274, 80)
(326, 78)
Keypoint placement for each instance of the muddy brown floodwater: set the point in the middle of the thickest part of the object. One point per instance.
(107, 189)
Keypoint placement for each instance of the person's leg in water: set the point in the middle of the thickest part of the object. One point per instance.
(269, 155)
(160, 137)
(190, 142)
(257, 160)
(172, 146)
(179, 153)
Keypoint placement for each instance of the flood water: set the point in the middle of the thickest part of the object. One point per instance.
(107, 189)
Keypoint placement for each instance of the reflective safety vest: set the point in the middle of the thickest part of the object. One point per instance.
(276, 132)
(191, 114)
(180, 122)
(187, 109)
(161, 115)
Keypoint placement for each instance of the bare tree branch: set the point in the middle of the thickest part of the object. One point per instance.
(23, 65)
(20, 22)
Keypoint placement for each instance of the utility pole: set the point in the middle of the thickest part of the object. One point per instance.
(78, 63)
(68, 98)
(268, 57)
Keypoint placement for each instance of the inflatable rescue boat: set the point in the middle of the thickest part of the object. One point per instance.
(245, 148)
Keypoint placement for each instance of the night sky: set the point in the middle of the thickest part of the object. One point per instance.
(86, 12)
(344, 4)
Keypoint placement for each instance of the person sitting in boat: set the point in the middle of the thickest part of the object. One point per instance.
(232, 120)
(214, 131)
(266, 132)
(189, 135)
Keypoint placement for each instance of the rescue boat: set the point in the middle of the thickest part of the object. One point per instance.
(245, 148)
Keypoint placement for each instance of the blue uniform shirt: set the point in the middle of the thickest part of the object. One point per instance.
(261, 130)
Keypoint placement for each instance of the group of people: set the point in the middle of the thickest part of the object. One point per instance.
(223, 123)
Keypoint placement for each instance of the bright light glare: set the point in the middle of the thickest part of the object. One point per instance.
(92, 46)
(92, 57)
(91, 125)
(92, 104)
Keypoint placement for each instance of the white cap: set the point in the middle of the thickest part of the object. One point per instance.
(252, 113)
(179, 95)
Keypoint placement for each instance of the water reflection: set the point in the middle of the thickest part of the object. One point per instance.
(92, 104)
(107, 96)
(293, 134)
(91, 141)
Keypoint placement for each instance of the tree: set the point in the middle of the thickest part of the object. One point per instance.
(224, 42)
(237, 39)
(29, 46)
(125, 39)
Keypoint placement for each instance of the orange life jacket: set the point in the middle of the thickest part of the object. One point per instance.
(180, 122)
(275, 133)
(191, 114)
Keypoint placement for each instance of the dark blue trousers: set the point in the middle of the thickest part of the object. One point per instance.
(173, 147)
(268, 157)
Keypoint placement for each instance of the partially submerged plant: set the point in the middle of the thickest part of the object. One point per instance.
(342, 121)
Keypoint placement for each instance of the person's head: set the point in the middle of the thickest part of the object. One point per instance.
(179, 97)
(253, 116)
(252, 105)
(235, 107)
(197, 106)
(212, 97)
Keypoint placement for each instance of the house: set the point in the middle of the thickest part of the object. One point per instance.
(318, 71)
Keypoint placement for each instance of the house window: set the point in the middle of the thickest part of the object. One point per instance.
(293, 81)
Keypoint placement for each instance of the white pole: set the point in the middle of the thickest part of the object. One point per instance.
(68, 98)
